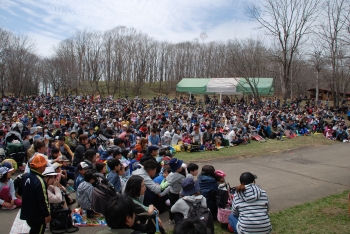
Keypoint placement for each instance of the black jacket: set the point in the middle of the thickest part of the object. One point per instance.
(79, 154)
(35, 202)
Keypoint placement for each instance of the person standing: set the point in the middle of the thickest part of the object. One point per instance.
(35, 203)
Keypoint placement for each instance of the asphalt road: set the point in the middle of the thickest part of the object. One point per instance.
(289, 179)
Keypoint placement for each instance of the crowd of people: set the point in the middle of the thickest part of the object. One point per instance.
(131, 143)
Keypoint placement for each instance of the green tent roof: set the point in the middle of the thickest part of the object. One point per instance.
(192, 85)
(263, 85)
(200, 85)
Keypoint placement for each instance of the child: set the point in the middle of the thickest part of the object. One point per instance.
(8, 199)
(192, 170)
(175, 180)
(164, 186)
(117, 154)
(123, 173)
(84, 192)
(160, 156)
(81, 169)
(113, 177)
(101, 168)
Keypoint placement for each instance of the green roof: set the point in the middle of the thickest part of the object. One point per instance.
(263, 86)
(193, 85)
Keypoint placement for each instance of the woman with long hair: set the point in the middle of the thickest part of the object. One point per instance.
(142, 145)
(135, 187)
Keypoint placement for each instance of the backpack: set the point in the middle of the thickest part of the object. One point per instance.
(17, 152)
(61, 221)
(203, 213)
(102, 194)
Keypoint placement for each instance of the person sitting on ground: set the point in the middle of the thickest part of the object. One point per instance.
(176, 137)
(153, 138)
(142, 145)
(53, 191)
(135, 188)
(218, 137)
(70, 170)
(109, 132)
(175, 179)
(197, 138)
(190, 194)
(193, 226)
(113, 177)
(84, 192)
(8, 199)
(90, 158)
(147, 173)
(79, 152)
(166, 139)
(250, 207)
(71, 140)
(151, 154)
(208, 185)
(64, 148)
(81, 170)
(276, 132)
(208, 138)
(101, 169)
(120, 216)
(192, 170)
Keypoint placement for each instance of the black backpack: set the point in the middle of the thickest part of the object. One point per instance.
(203, 213)
(61, 221)
(102, 194)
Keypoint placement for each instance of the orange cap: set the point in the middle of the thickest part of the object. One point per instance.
(38, 161)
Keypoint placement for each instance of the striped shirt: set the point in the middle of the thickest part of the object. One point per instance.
(251, 207)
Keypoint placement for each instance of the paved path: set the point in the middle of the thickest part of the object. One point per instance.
(289, 179)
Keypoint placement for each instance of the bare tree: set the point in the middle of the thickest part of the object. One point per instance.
(331, 33)
(247, 59)
(318, 63)
(288, 22)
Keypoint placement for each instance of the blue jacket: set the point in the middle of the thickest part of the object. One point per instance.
(35, 202)
(207, 184)
(114, 179)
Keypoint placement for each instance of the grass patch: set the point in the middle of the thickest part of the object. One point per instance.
(326, 215)
(257, 149)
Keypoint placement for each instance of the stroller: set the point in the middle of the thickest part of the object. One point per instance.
(14, 148)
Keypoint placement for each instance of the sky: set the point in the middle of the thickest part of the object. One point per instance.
(47, 22)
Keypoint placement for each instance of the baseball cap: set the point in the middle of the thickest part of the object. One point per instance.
(38, 161)
(84, 165)
(4, 170)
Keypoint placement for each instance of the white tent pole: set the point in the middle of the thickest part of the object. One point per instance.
(220, 97)
(190, 95)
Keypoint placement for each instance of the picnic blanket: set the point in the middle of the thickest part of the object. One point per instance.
(96, 220)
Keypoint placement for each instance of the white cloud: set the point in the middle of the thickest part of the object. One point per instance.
(176, 21)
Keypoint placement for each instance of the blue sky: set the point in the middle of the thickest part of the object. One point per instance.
(49, 22)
